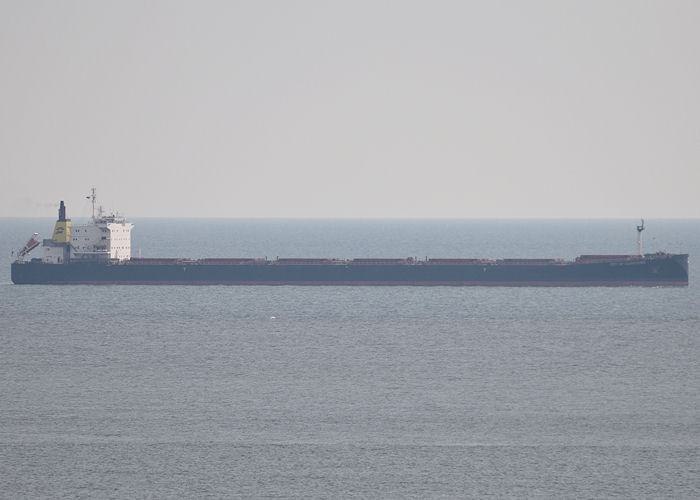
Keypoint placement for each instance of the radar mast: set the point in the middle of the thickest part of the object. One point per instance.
(640, 228)
(93, 198)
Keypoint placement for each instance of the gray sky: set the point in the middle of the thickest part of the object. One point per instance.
(351, 109)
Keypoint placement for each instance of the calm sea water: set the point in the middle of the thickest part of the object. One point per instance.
(396, 392)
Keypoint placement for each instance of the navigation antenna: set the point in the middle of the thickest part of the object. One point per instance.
(639, 238)
(93, 197)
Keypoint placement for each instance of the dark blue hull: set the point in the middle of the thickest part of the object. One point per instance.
(651, 270)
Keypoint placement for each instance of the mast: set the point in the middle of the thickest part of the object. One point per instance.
(639, 238)
(93, 197)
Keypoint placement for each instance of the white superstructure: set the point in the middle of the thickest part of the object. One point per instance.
(105, 238)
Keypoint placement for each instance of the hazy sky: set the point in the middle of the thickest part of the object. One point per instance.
(351, 109)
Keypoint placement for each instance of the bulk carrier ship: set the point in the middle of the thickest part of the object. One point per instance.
(99, 252)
